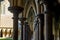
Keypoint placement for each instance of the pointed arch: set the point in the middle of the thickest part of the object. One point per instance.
(28, 5)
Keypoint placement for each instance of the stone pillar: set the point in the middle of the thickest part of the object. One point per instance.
(48, 27)
(22, 28)
(0, 13)
(41, 20)
(16, 6)
(56, 24)
(36, 29)
(41, 26)
(28, 32)
(5, 32)
(10, 33)
(56, 31)
(15, 10)
(1, 33)
(59, 32)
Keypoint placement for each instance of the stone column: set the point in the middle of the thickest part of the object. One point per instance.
(22, 28)
(56, 31)
(41, 20)
(59, 31)
(28, 32)
(41, 26)
(0, 13)
(1, 33)
(15, 10)
(5, 32)
(48, 26)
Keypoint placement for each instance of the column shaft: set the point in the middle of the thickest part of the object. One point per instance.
(0, 13)
(21, 30)
(15, 26)
(59, 33)
(28, 32)
(1, 33)
(41, 27)
(48, 27)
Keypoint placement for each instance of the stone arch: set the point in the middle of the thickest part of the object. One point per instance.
(27, 7)
(29, 10)
(30, 17)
